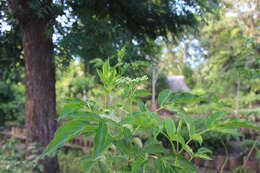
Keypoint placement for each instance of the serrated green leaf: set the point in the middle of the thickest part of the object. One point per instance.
(179, 127)
(197, 137)
(142, 93)
(224, 130)
(100, 140)
(66, 132)
(188, 149)
(138, 166)
(106, 67)
(170, 127)
(204, 150)
(87, 165)
(189, 123)
(157, 121)
(185, 97)
(164, 96)
(102, 166)
(202, 156)
(179, 139)
(154, 148)
(237, 123)
(160, 166)
(82, 115)
(141, 105)
(213, 118)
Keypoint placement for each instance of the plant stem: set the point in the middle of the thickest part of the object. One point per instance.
(158, 109)
(203, 131)
(251, 150)
(131, 96)
(173, 147)
(108, 99)
(226, 159)
(105, 99)
(136, 129)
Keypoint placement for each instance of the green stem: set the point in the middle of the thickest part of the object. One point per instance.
(131, 105)
(106, 99)
(131, 98)
(173, 147)
(156, 110)
(136, 130)
(203, 131)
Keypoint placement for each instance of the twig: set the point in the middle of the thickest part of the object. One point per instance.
(251, 151)
(226, 159)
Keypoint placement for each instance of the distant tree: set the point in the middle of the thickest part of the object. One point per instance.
(231, 60)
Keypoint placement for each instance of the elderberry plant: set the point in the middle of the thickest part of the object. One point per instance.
(126, 140)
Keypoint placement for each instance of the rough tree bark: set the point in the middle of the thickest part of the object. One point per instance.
(40, 105)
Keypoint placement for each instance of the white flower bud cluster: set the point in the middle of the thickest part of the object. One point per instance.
(128, 81)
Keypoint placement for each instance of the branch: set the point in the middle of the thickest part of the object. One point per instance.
(251, 150)
(18, 8)
(25, 11)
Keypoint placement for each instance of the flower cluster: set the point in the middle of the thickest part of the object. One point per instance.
(128, 81)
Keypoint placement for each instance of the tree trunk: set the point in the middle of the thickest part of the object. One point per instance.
(154, 80)
(40, 104)
(237, 99)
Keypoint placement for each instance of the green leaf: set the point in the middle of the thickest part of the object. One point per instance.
(227, 131)
(213, 118)
(179, 127)
(188, 149)
(142, 93)
(237, 123)
(138, 166)
(154, 148)
(110, 115)
(197, 137)
(141, 105)
(163, 96)
(106, 67)
(157, 121)
(102, 166)
(138, 142)
(189, 123)
(66, 132)
(101, 76)
(179, 139)
(202, 155)
(100, 139)
(185, 97)
(160, 166)
(82, 115)
(204, 150)
(170, 127)
(87, 165)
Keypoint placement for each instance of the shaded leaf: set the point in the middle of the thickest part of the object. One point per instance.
(66, 132)
(163, 96)
(170, 127)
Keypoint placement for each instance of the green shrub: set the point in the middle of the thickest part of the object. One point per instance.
(117, 131)
(12, 158)
(12, 103)
(69, 161)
